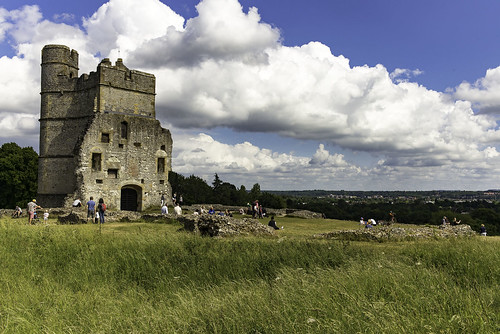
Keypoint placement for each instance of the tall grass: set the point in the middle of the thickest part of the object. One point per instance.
(150, 278)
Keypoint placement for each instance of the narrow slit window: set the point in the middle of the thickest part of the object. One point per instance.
(124, 130)
(96, 161)
(160, 168)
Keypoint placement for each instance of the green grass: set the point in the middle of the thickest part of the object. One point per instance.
(151, 278)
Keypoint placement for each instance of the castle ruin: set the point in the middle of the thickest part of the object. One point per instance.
(99, 136)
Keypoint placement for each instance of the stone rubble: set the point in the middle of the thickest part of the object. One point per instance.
(386, 233)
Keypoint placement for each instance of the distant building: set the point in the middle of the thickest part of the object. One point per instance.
(99, 136)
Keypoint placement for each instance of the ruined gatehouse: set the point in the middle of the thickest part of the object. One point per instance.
(99, 135)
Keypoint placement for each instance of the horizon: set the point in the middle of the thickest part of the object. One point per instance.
(375, 96)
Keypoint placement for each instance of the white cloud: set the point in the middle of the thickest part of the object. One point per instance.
(120, 26)
(227, 68)
(246, 163)
(403, 74)
(484, 92)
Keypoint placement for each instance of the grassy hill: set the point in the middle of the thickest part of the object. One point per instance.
(151, 278)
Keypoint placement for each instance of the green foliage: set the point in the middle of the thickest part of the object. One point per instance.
(196, 191)
(18, 175)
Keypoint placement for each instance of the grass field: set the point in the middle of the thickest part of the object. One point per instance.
(153, 278)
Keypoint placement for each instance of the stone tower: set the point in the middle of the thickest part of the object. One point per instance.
(99, 136)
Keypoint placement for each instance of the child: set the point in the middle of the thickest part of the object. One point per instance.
(46, 217)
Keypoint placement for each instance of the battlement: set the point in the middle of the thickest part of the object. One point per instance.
(60, 54)
(119, 76)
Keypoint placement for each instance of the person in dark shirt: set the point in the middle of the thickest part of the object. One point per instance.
(272, 223)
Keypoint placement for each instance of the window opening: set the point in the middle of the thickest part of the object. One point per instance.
(124, 130)
(105, 137)
(113, 173)
(160, 168)
(96, 161)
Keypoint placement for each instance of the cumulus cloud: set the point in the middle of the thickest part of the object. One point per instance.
(221, 31)
(484, 92)
(246, 163)
(227, 68)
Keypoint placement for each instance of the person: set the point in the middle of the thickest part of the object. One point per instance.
(162, 200)
(211, 211)
(18, 212)
(90, 209)
(164, 209)
(482, 230)
(393, 217)
(445, 221)
(373, 222)
(177, 210)
(32, 206)
(255, 209)
(361, 221)
(46, 217)
(196, 212)
(272, 223)
(242, 211)
(77, 203)
(368, 224)
(101, 207)
(455, 222)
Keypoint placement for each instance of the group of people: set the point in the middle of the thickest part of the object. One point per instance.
(258, 210)
(32, 215)
(177, 209)
(454, 222)
(95, 211)
(369, 223)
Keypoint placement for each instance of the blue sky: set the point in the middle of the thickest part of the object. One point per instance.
(365, 95)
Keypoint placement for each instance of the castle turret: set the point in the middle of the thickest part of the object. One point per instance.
(59, 64)
(61, 124)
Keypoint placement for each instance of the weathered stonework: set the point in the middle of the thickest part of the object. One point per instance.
(390, 233)
(99, 136)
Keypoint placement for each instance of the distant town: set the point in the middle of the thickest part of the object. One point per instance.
(399, 196)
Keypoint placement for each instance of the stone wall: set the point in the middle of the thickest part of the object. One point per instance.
(389, 233)
(221, 226)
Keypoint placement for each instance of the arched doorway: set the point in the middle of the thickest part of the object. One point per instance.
(130, 198)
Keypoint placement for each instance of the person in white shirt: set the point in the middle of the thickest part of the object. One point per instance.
(177, 210)
(164, 209)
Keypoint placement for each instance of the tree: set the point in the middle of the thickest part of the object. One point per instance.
(255, 192)
(217, 182)
(18, 175)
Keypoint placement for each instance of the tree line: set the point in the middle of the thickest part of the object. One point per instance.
(19, 173)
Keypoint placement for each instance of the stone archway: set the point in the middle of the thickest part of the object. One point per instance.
(131, 198)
